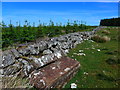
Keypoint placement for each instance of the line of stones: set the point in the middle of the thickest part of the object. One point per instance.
(23, 60)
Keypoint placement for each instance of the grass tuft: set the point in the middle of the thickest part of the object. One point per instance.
(100, 39)
(106, 32)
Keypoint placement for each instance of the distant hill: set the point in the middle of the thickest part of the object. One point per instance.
(110, 22)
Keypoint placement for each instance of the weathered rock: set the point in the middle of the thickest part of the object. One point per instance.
(24, 51)
(55, 75)
(34, 49)
(62, 39)
(74, 38)
(43, 45)
(54, 39)
(36, 62)
(50, 44)
(12, 69)
(31, 55)
(45, 52)
(47, 58)
(15, 53)
(8, 59)
(58, 54)
(64, 45)
(1, 71)
(26, 69)
(54, 49)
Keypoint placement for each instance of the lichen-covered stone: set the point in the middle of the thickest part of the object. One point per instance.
(12, 69)
(47, 58)
(54, 75)
(46, 52)
(36, 62)
(7, 58)
(43, 45)
(26, 68)
(24, 51)
(62, 39)
(41, 53)
(15, 53)
(34, 49)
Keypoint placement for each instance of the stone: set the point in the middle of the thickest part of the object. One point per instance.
(36, 62)
(54, 39)
(74, 38)
(8, 59)
(48, 58)
(73, 85)
(15, 53)
(55, 75)
(58, 54)
(50, 44)
(1, 71)
(43, 45)
(46, 52)
(62, 39)
(55, 49)
(34, 49)
(26, 68)
(24, 51)
(12, 69)
(41, 61)
(64, 45)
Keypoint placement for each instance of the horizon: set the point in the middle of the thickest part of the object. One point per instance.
(58, 12)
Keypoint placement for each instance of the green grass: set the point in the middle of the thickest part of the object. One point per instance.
(100, 74)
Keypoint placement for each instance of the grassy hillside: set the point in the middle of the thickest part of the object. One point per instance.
(99, 62)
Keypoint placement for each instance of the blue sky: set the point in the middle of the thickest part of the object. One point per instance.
(90, 12)
(60, 0)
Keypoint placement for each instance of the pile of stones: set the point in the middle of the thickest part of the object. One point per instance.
(24, 60)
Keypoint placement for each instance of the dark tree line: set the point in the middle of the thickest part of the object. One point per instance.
(110, 22)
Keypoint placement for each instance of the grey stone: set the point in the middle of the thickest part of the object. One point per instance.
(50, 44)
(43, 45)
(24, 51)
(54, 49)
(15, 53)
(54, 39)
(12, 69)
(36, 62)
(74, 38)
(39, 62)
(64, 45)
(58, 54)
(1, 71)
(45, 52)
(26, 69)
(34, 49)
(62, 39)
(47, 58)
(8, 58)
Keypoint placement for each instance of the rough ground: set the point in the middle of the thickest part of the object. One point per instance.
(99, 62)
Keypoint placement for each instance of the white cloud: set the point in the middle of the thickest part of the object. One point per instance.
(59, 0)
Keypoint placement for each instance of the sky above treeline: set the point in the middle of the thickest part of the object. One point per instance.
(60, 0)
(58, 12)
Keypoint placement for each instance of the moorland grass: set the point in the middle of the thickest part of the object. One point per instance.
(95, 71)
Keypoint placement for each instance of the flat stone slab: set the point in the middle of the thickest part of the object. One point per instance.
(55, 75)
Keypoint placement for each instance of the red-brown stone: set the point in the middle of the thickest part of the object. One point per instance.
(55, 75)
